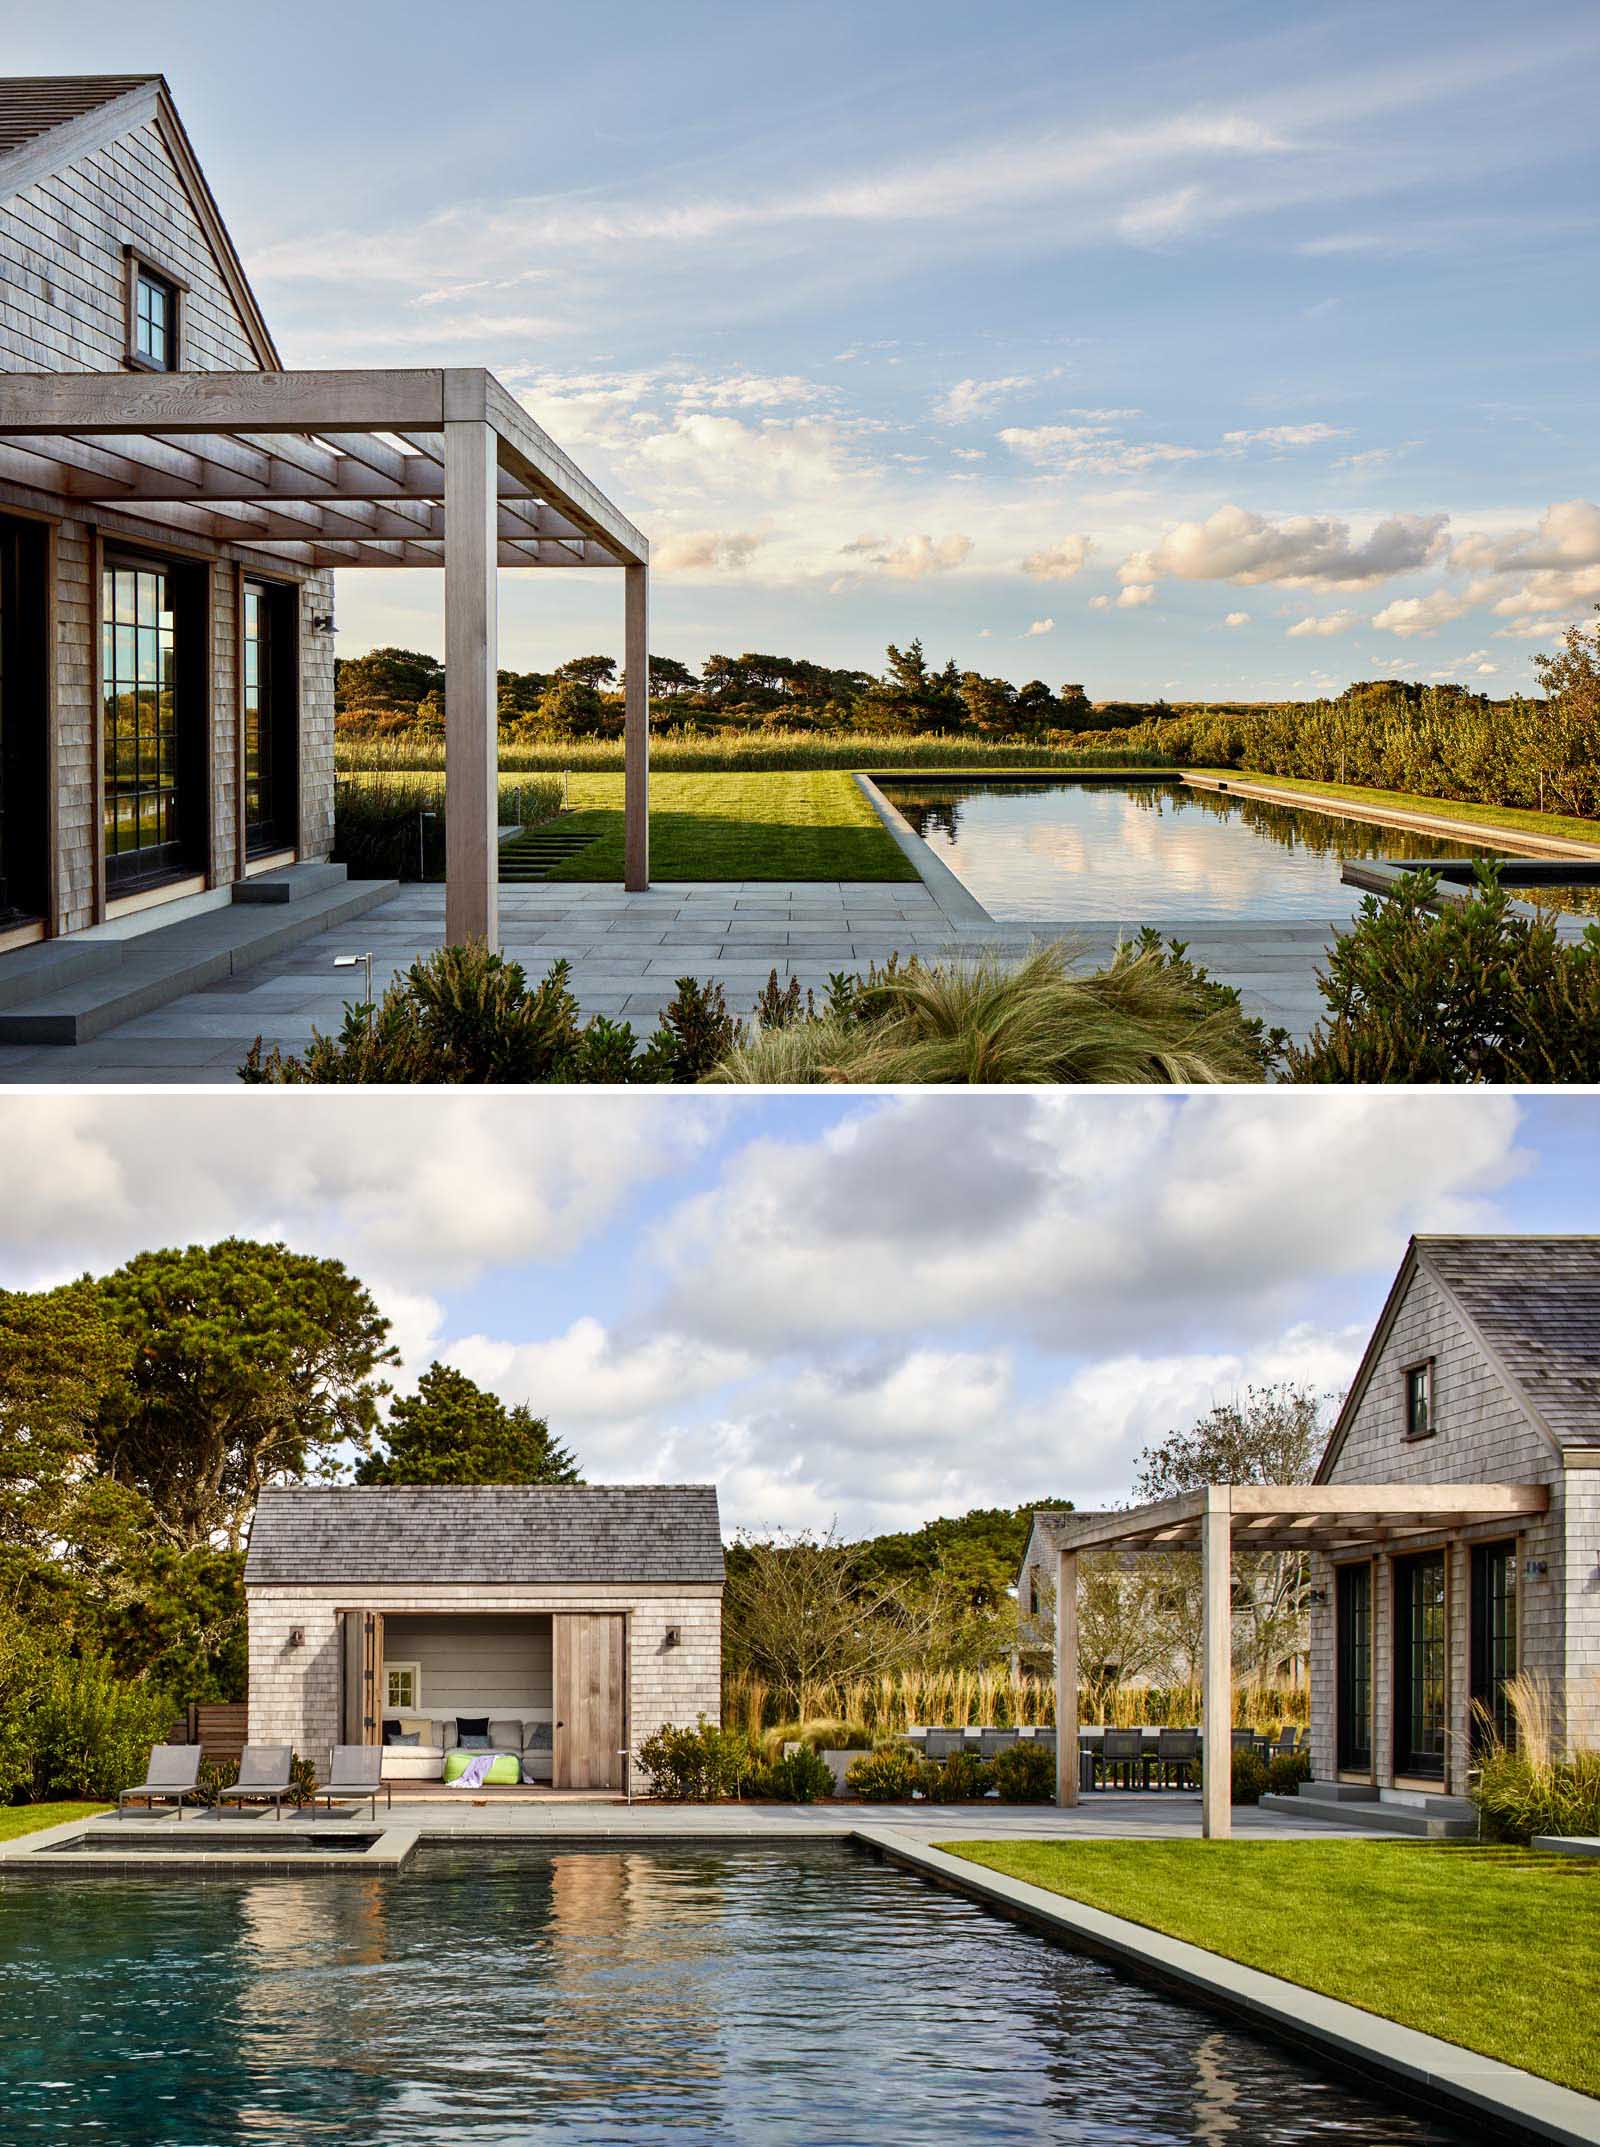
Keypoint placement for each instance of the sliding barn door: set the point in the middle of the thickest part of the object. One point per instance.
(590, 1694)
(363, 1675)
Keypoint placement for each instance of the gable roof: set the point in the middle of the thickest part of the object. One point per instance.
(48, 120)
(495, 1534)
(1532, 1304)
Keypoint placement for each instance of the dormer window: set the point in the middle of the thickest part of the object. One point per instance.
(154, 307)
(1419, 1400)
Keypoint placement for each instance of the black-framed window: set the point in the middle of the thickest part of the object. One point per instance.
(269, 716)
(1419, 1400)
(1352, 1586)
(1492, 1656)
(1421, 1665)
(23, 747)
(154, 776)
(155, 311)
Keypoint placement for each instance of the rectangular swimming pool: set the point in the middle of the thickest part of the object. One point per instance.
(797, 1996)
(1157, 852)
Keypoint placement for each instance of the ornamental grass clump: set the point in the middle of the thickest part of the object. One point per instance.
(1523, 1786)
(891, 1775)
(1152, 1016)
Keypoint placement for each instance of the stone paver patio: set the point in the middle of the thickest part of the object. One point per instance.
(627, 951)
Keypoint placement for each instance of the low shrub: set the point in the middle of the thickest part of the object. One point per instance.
(1249, 1775)
(1152, 1016)
(889, 1775)
(1025, 1774)
(696, 1765)
(1287, 1770)
(960, 1779)
(1472, 991)
(797, 1777)
(88, 1732)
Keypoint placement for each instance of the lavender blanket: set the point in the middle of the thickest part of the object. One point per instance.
(477, 1767)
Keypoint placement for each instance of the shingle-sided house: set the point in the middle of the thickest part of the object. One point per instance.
(173, 505)
(565, 1622)
(1453, 1528)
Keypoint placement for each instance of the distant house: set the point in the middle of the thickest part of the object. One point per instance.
(173, 505)
(1453, 1529)
(579, 1617)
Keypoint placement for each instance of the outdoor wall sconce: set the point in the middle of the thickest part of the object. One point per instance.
(674, 1637)
(297, 1636)
(322, 622)
(1316, 1595)
(1537, 1568)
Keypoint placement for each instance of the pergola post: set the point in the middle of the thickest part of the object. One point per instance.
(471, 758)
(1216, 1689)
(636, 729)
(1066, 1677)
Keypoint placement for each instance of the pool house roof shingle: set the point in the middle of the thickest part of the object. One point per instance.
(495, 1534)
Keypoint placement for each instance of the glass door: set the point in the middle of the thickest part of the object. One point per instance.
(1353, 1615)
(152, 797)
(1493, 1647)
(269, 710)
(1421, 1666)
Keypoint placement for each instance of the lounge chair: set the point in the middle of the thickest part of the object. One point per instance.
(172, 1775)
(356, 1771)
(265, 1777)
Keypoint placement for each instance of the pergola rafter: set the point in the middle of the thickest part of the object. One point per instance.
(1256, 1517)
(427, 467)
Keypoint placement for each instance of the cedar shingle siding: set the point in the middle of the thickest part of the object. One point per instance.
(1512, 1328)
(90, 167)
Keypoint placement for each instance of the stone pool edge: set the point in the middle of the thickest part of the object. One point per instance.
(1476, 2089)
(1482, 834)
(954, 897)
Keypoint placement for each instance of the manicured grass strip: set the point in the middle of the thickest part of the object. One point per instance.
(19, 1819)
(1495, 1949)
(737, 827)
(1509, 817)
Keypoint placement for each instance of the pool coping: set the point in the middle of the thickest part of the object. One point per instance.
(1482, 834)
(1480, 2090)
(35, 1855)
(952, 894)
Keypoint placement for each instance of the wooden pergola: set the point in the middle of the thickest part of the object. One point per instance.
(436, 467)
(1216, 1519)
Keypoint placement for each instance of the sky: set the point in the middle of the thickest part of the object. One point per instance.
(1234, 350)
(862, 1311)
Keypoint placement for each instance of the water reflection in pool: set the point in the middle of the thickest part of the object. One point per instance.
(685, 1995)
(1151, 853)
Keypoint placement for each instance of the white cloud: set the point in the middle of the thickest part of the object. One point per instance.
(1409, 616)
(1333, 622)
(912, 558)
(1237, 618)
(1099, 603)
(705, 551)
(1135, 593)
(1042, 626)
(1286, 436)
(970, 399)
(1059, 562)
(1568, 536)
(1026, 1217)
(1238, 545)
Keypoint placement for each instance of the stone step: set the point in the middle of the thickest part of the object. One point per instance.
(1370, 1812)
(292, 883)
(129, 977)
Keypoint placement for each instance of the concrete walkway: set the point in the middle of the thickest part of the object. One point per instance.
(627, 952)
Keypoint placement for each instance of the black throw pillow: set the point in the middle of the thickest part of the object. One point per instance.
(472, 1726)
(391, 1731)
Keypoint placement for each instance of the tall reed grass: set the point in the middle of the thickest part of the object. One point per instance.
(388, 821)
(740, 752)
(997, 1697)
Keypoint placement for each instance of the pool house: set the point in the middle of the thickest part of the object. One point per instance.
(1452, 1535)
(174, 506)
(558, 1625)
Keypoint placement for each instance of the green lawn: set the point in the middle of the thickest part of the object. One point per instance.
(1496, 1949)
(1512, 819)
(17, 1819)
(815, 826)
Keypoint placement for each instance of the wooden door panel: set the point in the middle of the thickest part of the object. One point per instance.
(589, 1664)
(363, 1676)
